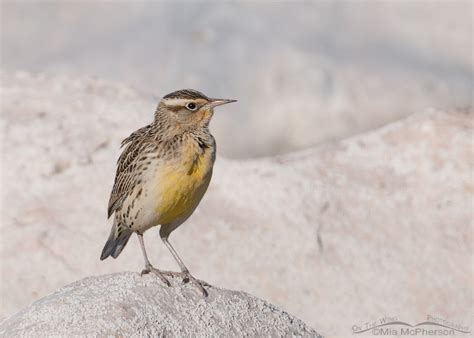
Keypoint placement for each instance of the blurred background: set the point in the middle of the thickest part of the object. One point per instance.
(303, 72)
(367, 220)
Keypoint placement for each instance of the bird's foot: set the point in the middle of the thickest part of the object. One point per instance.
(187, 277)
(150, 268)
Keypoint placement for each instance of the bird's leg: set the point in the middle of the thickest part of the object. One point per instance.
(148, 267)
(187, 277)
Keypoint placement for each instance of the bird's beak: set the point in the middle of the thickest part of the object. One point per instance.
(219, 102)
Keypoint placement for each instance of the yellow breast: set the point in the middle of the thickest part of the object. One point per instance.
(182, 185)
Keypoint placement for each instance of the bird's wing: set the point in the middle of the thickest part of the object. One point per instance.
(126, 176)
(136, 135)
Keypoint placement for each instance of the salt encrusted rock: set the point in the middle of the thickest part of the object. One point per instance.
(125, 304)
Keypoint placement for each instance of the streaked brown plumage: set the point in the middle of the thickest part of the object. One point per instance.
(162, 174)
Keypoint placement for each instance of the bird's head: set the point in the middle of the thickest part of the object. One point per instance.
(188, 108)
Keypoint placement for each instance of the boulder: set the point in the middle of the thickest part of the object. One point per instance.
(126, 304)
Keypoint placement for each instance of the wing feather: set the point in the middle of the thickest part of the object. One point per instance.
(127, 176)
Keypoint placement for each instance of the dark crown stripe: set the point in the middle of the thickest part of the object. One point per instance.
(186, 94)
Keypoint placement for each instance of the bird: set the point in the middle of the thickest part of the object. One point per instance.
(162, 174)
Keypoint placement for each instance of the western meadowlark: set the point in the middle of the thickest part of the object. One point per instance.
(162, 174)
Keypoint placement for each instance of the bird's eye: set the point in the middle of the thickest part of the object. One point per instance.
(191, 106)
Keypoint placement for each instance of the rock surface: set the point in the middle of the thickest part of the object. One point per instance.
(379, 224)
(292, 66)
(128, 305)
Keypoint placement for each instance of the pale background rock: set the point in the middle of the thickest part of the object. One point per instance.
(303, 72)
(379, 224)
(128, 305)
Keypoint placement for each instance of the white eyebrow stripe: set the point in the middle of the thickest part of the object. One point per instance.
(176, 102)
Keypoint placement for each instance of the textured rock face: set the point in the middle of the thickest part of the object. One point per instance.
(376, 225)
(127, 305)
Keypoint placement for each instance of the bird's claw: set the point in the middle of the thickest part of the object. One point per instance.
(186, 278)
(157, 272)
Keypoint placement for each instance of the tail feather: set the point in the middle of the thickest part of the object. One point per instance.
(115, 243)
